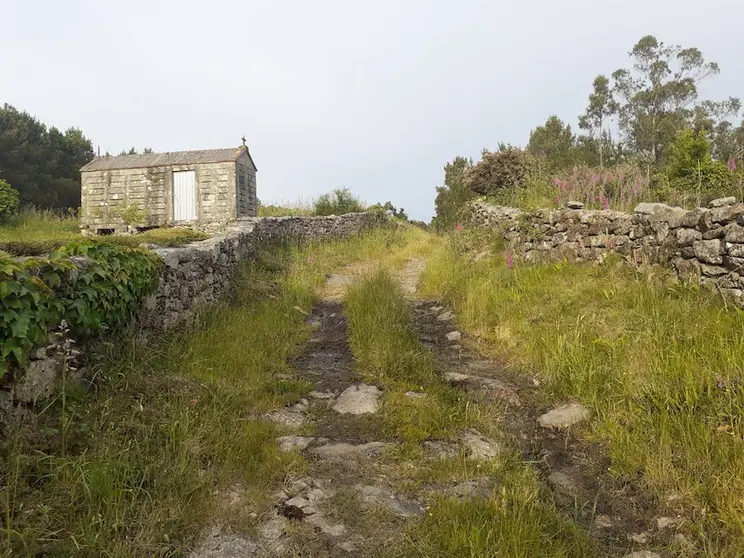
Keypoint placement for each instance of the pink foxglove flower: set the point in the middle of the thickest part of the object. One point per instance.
(509, 260)
(458, 227)
(605, 203)
(732, 164)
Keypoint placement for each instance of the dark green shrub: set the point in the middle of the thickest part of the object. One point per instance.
(338, 202)
(690, 173)
(499, 171)
(9, 200)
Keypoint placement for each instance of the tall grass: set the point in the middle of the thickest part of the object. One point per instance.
(337, 202)
(620, 188)
(660, 363)
(170, 433)
(512, 523)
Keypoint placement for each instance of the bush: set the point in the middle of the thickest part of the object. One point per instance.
(499, 171)
(9, 200)
(389, 209)
(690, 172)
(338, 202)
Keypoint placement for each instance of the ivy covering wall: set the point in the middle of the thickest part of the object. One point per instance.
(92, 287)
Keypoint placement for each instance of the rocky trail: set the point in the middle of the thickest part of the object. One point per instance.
(352, 500)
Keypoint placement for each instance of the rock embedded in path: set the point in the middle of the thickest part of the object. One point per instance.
(666, 522)
(489, 387)
(292, 443)
(562, 481)
(603, 522)
(358, 400)
(224, 545)
(440, 449)
(286, 417)
(445, 317)
(334, 530)
(454, 336)
(478, 446)
(564, 416)
(343, 450)
(475, 488)
(323, 395)
(640, 538)
(397, 505)
(456, 378)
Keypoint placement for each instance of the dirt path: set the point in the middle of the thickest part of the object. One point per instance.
(352, 500)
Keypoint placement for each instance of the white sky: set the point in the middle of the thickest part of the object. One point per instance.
(376, 96)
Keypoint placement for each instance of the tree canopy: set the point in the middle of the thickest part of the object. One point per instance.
(41, 164)
(646, 121)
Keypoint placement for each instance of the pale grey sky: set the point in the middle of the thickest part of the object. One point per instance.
(376, 96)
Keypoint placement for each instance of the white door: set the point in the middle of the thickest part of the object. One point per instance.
(184, 196)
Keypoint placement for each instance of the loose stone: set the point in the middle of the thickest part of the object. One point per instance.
(358, 400)
(564, 416)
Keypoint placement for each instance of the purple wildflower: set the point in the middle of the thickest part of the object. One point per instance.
(732, 164)
(509, 260)
(605, 203)
(458, 227)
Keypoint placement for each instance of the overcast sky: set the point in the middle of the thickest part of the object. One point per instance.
(373, 95)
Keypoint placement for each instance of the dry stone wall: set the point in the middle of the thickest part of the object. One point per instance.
(192, 277)
(201, 273)
(705, 245)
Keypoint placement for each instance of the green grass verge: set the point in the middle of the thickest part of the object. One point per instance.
(170, 434)
(660, 363)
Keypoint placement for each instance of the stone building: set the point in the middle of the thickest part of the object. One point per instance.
(203, 189)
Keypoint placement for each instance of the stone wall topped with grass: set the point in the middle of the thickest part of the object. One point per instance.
(705, 245)
(105, 291)
(200, 273)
